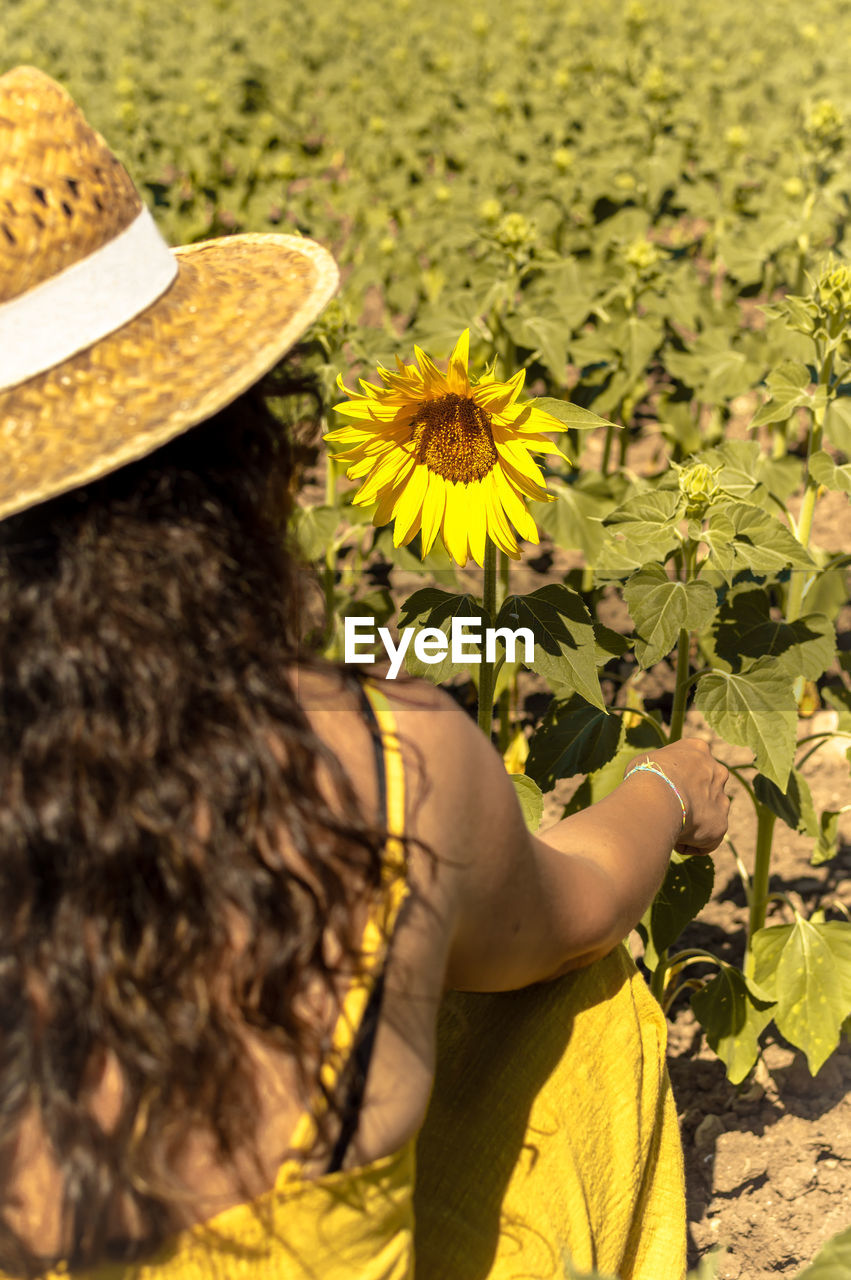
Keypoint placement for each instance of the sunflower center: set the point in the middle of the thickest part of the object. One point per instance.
(453, 437)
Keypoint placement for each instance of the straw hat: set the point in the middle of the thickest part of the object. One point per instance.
(111, 343)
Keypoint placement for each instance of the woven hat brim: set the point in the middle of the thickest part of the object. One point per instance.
(237, 305)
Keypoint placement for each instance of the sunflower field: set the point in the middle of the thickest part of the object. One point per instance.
(608, 246)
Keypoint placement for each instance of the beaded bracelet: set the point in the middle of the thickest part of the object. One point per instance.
(650, 766)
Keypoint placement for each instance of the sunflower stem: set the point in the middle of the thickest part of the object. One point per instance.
(504, 579)
(765, 820)
(607, 449)
(486, 670)
(330, 478)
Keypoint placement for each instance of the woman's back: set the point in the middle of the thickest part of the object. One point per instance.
(601, 1158)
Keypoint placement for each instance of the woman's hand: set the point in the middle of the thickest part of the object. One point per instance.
(700, 780)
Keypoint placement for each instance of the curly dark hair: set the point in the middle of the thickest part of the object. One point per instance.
(149, 621)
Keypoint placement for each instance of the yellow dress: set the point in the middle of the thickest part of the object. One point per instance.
(550, 1140)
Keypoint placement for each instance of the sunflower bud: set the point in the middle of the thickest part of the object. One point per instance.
(698, 485)
(824, 126)
(643, 256)
(515, 232)
(832, 298)
(834, 288)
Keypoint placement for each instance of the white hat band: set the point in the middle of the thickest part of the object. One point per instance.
(85, 302)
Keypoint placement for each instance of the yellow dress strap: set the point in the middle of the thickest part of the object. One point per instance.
(381, 920)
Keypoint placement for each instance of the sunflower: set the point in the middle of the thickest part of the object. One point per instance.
(443, 454)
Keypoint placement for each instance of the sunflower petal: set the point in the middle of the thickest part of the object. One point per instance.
(477, 526)
(498, 396)
(454, 526)
(515, 508)
(434, 505)
(383, 513)
(394, 466)
(360, 469)
(457, 378)
(534, 443)
(409, 506)
(499, 529)
(434, 382)
(516, 453)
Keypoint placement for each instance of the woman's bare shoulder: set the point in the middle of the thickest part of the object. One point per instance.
(425, 716)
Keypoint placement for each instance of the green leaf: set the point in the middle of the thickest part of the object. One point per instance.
(825, 471)
(749, 475)
(643, 529)
(718, 537)
(685, 891)
(754, 709)
(565, 652)
(658, 508)
(837, 421)
(635, 340)
(739, 462)
(574, 737)
(707, 1268)
(828, 594)
(806, 968)
(794, 805)
(733, 1013)
(748, 630)
(661, 607)
(781, 477)
(546, 338)
(573, 520)
(833, 1260)
(761, 543)
(610, 644)
(314, 529)
(572, 415)
(431, 607)
(827, 842)
(788, 388)
(531, 799)
(713, 367)
(377, 604)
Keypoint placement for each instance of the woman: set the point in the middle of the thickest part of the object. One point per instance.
(234, 882)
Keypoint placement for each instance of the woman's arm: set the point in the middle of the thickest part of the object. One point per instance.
(522, 909)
